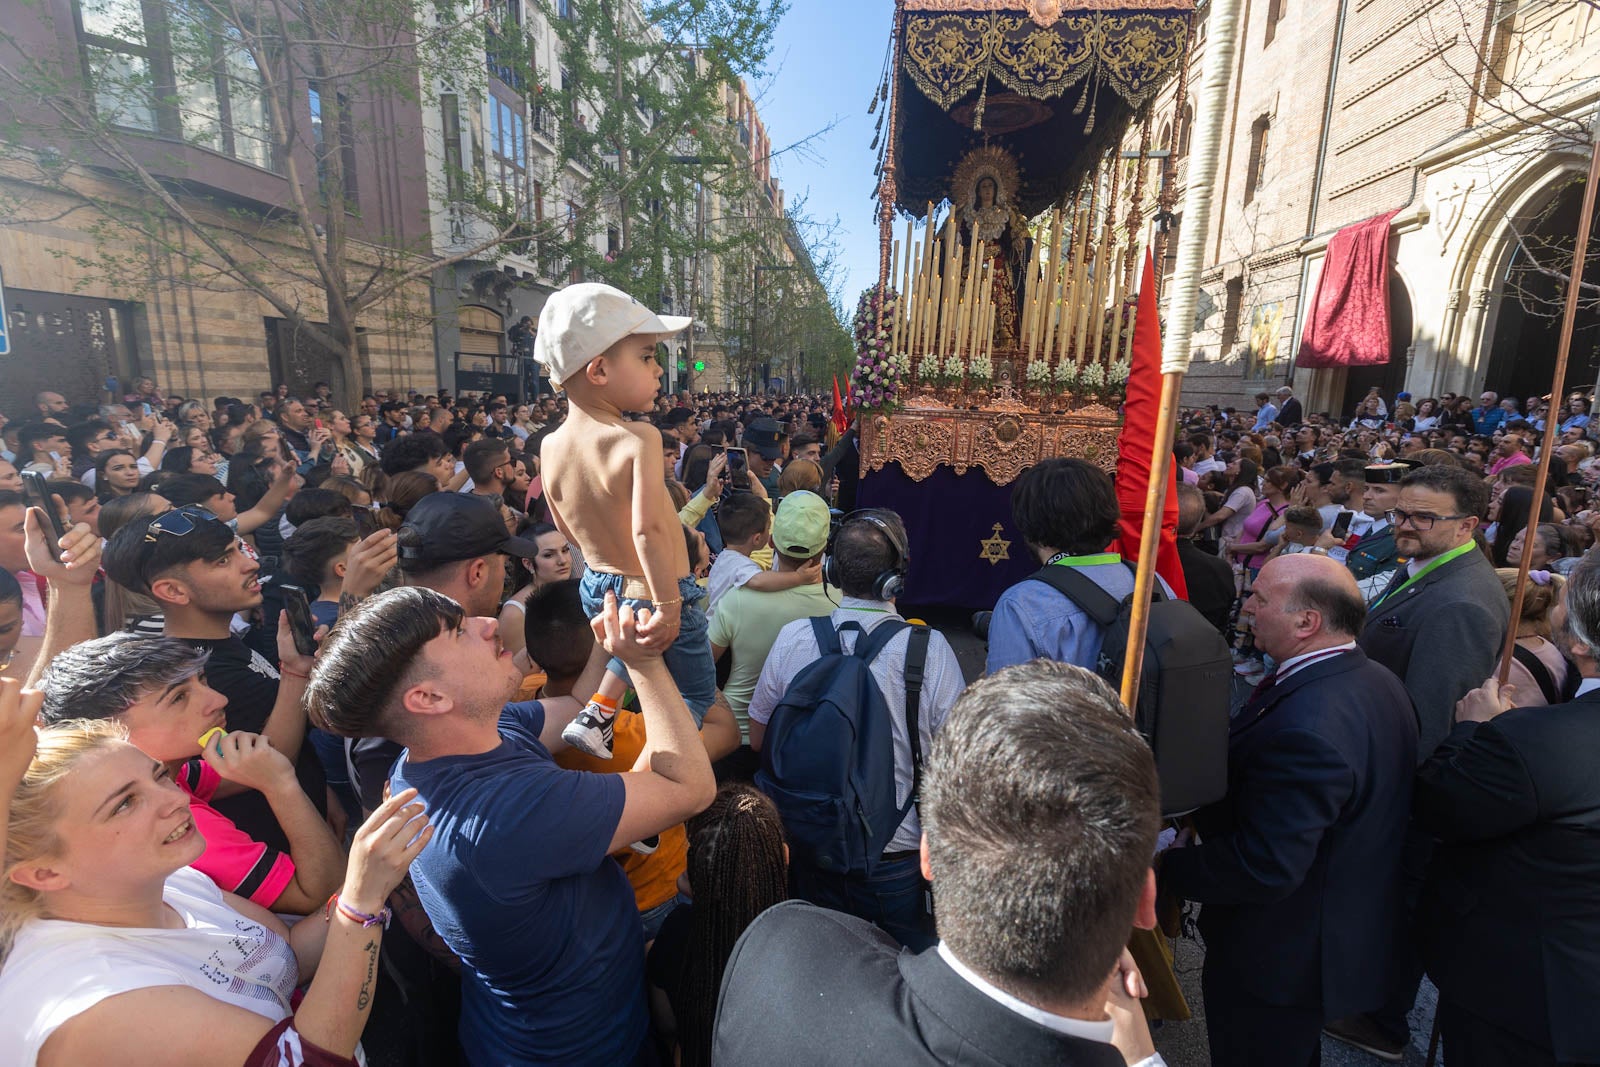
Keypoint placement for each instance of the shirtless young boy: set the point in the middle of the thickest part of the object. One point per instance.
(605, 481)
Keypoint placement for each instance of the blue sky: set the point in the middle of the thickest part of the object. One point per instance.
(827, 60)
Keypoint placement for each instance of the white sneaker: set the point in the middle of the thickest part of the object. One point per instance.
(591, 731)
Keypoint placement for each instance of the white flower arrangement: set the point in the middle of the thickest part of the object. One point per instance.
(980, 368)
(1066, 374)
(1038, 373)
(954, 367)
(1093, 377)
(900, 366)
(1119, 372)
(928, 369)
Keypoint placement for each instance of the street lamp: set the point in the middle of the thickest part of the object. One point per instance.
(755, 308)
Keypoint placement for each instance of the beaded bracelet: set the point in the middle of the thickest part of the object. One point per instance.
(382, 918)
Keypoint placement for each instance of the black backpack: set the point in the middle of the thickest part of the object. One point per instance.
(1185, 687)
(828, 758)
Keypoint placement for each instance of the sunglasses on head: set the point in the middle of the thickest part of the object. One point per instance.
(178, 522)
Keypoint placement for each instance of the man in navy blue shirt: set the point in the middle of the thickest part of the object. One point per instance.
(517, 879)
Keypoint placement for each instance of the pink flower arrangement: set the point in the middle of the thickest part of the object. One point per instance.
(877, 371)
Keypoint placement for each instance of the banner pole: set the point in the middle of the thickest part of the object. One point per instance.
(1210, 106)
(1557, 384)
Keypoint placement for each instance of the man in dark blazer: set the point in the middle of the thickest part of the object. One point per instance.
(1289, 413)
(1438, 626)
(1209, 578)
(1039, 819)
(1510, 915)
(1298, 868)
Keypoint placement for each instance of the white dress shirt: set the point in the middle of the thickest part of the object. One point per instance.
(1061, 1024)
(1294, 663)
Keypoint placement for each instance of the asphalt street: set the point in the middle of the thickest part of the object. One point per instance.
(1183, 1044)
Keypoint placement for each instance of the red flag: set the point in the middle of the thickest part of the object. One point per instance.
(1137, 440)
(839, 420)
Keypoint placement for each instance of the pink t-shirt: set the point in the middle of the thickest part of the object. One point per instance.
(233, 859)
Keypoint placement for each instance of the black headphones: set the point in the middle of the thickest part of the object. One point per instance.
(892, 582)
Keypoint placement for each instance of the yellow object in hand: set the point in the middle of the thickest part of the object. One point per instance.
(215, 731)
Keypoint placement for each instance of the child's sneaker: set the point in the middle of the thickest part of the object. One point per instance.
(648, 845)
(591, 731)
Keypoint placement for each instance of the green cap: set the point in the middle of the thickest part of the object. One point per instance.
(800, 529)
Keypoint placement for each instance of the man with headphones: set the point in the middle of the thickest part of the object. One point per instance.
(867, 562)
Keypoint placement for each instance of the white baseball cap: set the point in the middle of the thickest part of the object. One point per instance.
(581, 321)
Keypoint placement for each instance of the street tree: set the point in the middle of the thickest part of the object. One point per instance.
(298, 88)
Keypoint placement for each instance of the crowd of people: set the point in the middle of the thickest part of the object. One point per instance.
(589, 730)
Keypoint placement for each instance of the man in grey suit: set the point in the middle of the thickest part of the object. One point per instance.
(1439, 627)
(1440, 623)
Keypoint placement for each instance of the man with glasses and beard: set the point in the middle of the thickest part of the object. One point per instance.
(1438, 626)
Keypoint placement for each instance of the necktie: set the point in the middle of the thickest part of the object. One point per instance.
(1399, 579)
(1262, 686)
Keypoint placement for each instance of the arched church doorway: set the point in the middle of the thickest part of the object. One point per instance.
(1390, 377)
(1527, 329)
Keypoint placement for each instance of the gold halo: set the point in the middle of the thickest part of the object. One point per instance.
(989, 161)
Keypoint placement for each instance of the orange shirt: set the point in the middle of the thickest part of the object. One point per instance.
(654, 877)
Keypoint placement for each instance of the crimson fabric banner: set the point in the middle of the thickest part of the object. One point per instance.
(1136, 442)
(1348, 325)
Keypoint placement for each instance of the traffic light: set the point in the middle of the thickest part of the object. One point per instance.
(699, 365)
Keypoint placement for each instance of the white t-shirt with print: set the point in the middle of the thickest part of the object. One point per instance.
(58, 970)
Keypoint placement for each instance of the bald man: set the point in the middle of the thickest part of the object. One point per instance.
(1298, 867)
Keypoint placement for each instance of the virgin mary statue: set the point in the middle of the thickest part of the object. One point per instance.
(984, 190)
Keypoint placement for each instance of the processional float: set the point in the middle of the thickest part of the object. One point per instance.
(1011, 230)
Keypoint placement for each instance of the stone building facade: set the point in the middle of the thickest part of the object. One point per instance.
(1462, 117)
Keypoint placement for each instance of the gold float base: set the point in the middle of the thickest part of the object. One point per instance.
(1000, 436)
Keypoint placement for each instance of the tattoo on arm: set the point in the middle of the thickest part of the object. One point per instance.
(347, 602)
(365, 996)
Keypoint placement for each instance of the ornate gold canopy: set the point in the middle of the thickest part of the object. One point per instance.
(948, 55)
(1066, 76)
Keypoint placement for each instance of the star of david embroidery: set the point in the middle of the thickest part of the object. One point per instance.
(995, 548)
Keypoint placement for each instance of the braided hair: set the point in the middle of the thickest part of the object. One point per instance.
(738, 868)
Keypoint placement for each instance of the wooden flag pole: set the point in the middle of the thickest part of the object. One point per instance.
(1557, 384)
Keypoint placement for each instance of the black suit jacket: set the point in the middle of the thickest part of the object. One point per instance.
(1510, 918)
(810, 986)
(1441, 636)
(1289, 413)
(1299, 866)
(1210, 582)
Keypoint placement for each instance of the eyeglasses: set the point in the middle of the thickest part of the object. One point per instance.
(1419, 523)
(180, 522)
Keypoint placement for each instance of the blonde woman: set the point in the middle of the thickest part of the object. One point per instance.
(1538, 669)
(114, 950)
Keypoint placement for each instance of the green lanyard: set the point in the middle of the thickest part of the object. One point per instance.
(1063, 560)
(1433, 564)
